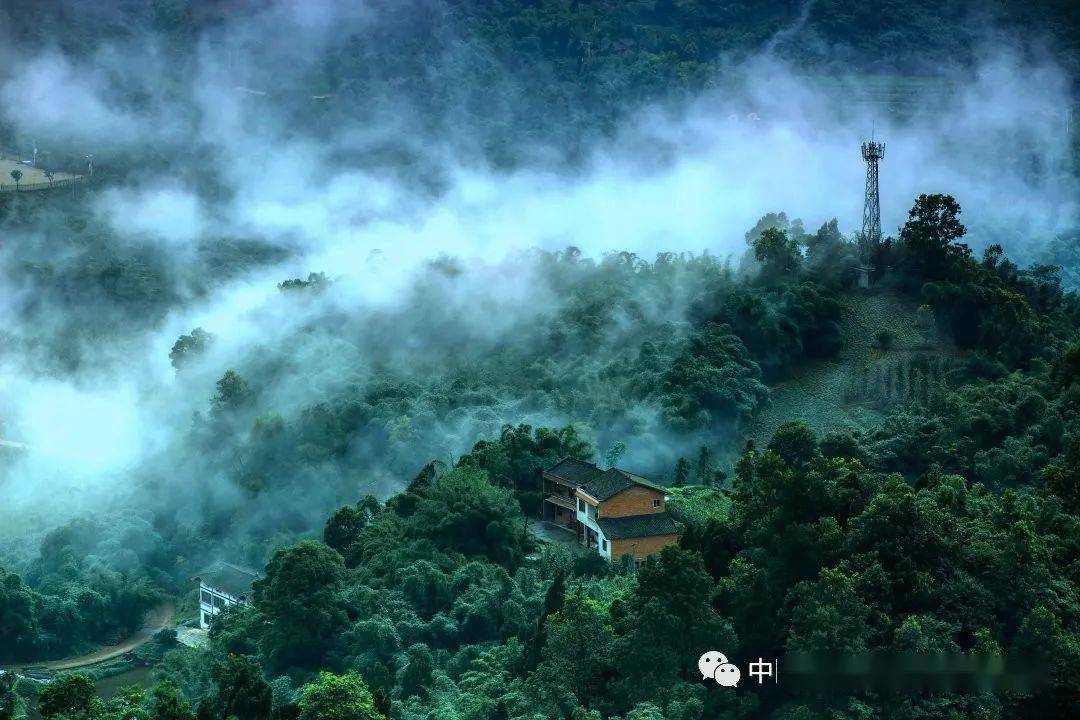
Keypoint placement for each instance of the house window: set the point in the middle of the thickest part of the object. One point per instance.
(219, 602)
(207, 598)
(656, 502)
(592, 511)
(603, 545)
(580, 505)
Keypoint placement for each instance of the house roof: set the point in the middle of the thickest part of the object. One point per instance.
(612, 482)
(233, 579)
(574, 471)
(635, 526)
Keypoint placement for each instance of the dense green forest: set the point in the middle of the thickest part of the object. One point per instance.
(952, 527)
(264, 329)
(554, 73)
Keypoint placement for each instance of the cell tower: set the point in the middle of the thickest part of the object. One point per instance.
(872, 153)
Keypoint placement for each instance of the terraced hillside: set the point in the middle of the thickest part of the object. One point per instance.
(892, 355)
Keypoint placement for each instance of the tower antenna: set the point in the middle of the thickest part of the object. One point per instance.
(872, 153)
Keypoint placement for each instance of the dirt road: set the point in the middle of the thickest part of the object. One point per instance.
(156, 619)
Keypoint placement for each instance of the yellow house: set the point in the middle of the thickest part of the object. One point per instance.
(615, 512)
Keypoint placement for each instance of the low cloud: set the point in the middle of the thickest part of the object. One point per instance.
(221, 160)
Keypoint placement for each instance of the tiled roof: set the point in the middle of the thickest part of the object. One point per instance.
(233, 579)
(612, 482)
(635, 526)
(574, 471)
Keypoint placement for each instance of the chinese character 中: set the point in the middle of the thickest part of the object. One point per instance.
(761, 669)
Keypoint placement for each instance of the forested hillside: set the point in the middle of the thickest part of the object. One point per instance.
(547, 71)
(332, 284)
(952, 527)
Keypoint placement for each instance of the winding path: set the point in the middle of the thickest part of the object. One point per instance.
(157, 619)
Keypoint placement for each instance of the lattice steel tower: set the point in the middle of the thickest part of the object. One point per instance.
(872, 152)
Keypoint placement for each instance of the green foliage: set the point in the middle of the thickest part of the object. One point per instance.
(464, 512)
(520, 453)
(673, 591)
(578, 653)
(337, 697)
(9, 698)
(345, 526)
(682, 472)
(233, 393)
(167, 703)
(241, 691)
(190, 346)
(794, 443)
(778, 254)
(297, 596)
(415, 675)
(90, 582)
(713, 380)
(68, 696)
(1063, 478)
(315, 283)
(929, 247)
(611, 457)
(829, 615)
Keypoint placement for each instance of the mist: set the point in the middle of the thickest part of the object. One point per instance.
(429, 244)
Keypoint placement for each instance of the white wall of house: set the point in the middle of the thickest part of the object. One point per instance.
(212, 601)
(586, 515)
(605, 546)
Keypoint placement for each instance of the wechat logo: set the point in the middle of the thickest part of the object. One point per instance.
(715, 665)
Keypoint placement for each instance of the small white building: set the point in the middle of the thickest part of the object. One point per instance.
(864, 274)
(221, 586)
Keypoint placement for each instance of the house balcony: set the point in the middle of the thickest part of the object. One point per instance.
(559, 509)
(561, 501)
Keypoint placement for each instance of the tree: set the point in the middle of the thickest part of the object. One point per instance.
(166, 703)
(795, 443)
(661, 622)
(929, 246)
(315, 283)
(611, 457)
(520, 453)
(645, 711)
(682, 472)
(713, 379)
(347, 523)
(778, 254)
(8, 697)
(464, 512)
(19, 623)
(242, 692)
(67, 696)
(555, 595)
(577, 655)
(1063, 478)
(829, 615)
(554, 600)
(16, 175)
(1066, 369)
(298, 597)
(705, 471)
(232, 394)
(414, 677)
(188, 347)
(337, 697)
